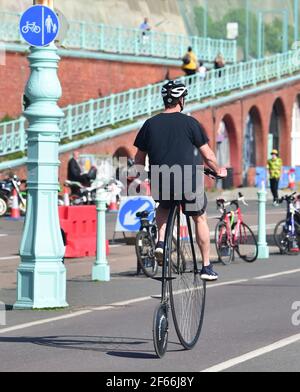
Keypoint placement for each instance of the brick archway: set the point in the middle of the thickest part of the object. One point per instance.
(235, 150)
(256, 117)
(279, 128)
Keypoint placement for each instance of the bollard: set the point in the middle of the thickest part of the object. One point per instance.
(263, 249)
(101, 269)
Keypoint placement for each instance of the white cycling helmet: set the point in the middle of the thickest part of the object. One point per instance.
(173, 91)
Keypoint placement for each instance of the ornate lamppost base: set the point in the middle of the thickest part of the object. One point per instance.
(41, 286)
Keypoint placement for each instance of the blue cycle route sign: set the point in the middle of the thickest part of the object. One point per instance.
(39, 25)
(127, 219)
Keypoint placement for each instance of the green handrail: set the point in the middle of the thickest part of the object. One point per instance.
(121, 40)
(96, 114)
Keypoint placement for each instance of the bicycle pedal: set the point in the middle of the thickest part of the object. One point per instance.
(164, 279)
(156, 297)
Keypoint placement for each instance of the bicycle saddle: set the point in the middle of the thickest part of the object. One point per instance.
(143, 215)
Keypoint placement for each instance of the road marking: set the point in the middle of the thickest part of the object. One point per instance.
(278, 274)
(9, 258)
(3, 235)
(114, 306)
(253, 354)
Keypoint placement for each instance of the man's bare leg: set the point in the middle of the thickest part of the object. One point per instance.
(161, 219)
(203, 238)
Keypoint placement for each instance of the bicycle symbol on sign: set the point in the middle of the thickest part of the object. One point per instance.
(31, 27)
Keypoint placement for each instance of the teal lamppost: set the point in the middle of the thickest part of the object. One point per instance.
(41, 276)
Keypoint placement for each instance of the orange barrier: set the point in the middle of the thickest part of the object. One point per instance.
(80, 227)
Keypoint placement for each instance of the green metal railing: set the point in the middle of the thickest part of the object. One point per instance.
(130, 105)
(110, 39)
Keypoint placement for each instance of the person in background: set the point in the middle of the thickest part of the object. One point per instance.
(219, 64)
(275, 170)
(202, 70)
(145, 29)
(190, 62)
(75, 173)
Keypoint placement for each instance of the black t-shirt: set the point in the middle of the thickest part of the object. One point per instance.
(172, 139)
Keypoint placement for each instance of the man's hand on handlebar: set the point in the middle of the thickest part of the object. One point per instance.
(222, 173)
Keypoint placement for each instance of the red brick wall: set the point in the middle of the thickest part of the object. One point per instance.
(81, 79)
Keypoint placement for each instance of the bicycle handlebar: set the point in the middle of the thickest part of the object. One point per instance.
(287, 198)
(212, 174)
(221, 203)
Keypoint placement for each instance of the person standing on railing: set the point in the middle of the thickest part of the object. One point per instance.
(145, 29)
(219, 63)
(190, 63)
(275, 170)
(202, 70)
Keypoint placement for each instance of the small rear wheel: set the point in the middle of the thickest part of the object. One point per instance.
(161, 330)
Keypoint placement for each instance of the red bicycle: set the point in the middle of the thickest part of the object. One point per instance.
(233, 234)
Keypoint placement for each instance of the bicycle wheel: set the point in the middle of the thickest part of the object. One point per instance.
(145, 253)
(187, 290)
(282, 237)
(246, 245)
(225, 251)
(161, 330)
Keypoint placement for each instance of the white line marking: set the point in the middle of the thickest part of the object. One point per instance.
(40, 322)
(10, 258)
(113, 307)
(278, 274)
(3, 235)
(253, 354)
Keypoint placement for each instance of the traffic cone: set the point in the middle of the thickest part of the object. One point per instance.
(66, 197)
(292, 179)
(15, 209)
(113, 205)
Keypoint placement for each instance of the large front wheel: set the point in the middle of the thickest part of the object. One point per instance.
(187, 290)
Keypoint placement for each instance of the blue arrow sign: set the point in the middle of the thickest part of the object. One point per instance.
(39, 25)
(127, 219)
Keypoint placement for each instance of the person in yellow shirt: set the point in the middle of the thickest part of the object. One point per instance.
(190, 62)
(275, 169)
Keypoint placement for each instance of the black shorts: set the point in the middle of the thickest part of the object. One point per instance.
(190, 208)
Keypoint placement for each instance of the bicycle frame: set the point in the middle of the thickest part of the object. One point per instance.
(229, 219)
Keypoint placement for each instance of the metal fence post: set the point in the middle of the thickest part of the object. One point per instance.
(82, 35)
(91, 115)
(22, 134)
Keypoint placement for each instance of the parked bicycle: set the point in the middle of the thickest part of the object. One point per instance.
(287, 232)
(233, 234)
(182, 288)
(145, 245)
